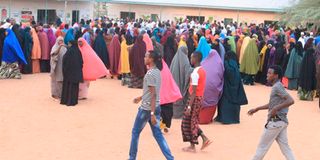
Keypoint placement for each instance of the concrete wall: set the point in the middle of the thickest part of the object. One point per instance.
(166, 13)
(86, 8)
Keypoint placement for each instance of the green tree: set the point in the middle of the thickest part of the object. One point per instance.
(302, 12)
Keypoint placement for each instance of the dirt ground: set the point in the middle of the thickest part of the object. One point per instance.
(35, 127)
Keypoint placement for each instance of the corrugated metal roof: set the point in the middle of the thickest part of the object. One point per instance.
(251, 5)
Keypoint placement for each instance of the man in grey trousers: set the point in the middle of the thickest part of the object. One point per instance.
(276, 127)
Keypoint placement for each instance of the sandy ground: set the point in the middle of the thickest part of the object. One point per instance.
(35, 127)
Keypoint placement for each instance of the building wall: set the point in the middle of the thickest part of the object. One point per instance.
(86, 8)
(169, 13)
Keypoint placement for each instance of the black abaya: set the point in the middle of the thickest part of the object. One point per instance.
(27, 49)
(72, 76)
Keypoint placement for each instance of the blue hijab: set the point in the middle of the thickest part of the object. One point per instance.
(155, 34)
(12, 51)
(69, 36)
(203, 47)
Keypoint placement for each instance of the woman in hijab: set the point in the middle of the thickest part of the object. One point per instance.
(233, 92)
(129, 37)
(2, 37)
(27, 50)
(69, 36)
(167, 34)
(226, 45)
(309, 44)
(181, 70)
(191, 43)
(11, 57)
(99, 46)
(51, 38)
(169, 94)
(203, 47)
(317, 58)
(214, 85)
(280, 53)
(244, 45)
(261, 77)
(148, 42)
(45, 51)
(232, 44)
(36, 52)
(114, 55)
(307, 77)
(72, 74)
(136, 61)
(156, 34)
(57, 53)
(170, 49)
(157, 46)
(19, 34)
(294, 66)
(88, 36)
(124, 62)
(239, 45)
(182, 41)
(93, 68)
(249, 63)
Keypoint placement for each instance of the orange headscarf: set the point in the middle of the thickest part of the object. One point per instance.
(36, 49)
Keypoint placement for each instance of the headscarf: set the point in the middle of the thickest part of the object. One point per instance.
(181, 70)
(232, 43)
(170, 49)
(182, 41)
(72, 64)
(17, 31)
(129, 38)
(93, 68)
(317, 53)
(249, 62)
(114, 55)
(214, 81)
(27, 50)
(203, 47)
(12, 51)
(124, 58)
(44, 44)
(69, 36)
(155, 34)
(169, 91)
(51, 38)
(148, 42)
(222, 51)
(136, 57)
(165, 37)
(157, 46)
(244, 45)
(191, 44)
(36, 49)
(307, 77)
(57, 53)
(100, 47)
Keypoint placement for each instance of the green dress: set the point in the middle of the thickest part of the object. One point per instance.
(293, 69)
(249, 64)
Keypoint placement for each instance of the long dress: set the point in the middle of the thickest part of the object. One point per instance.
(170, 49)
(317, 58)
(72, 76)
(214, 85)
(307, 77)
(124, 62)
(244, 45)
(100, 47)
(93, 68)
(249, 62)
(36, 52)
(45, 51)
(28, 43)
(114, 55)
(57, 54)
(136, 61)
(181, 70)
(233, 95)
(261, 78)
(293, 68)
(2, 38)
(11, 57)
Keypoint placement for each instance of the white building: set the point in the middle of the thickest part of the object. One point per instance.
(47, 10)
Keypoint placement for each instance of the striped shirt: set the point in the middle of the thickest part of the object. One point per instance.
(152, 78)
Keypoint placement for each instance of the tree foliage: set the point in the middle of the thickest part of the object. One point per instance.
(302, 12)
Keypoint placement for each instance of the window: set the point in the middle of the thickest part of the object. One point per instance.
(75, 16)
(155, 17)
(125, 15)
(198, 18)
(227, 21)
(46, 16)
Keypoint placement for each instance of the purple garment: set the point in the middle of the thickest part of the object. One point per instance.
(215, 75)
(51, 38)
(272, 57)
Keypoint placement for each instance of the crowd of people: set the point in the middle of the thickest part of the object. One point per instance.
(202, 66)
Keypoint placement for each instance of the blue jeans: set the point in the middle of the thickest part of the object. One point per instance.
(144, 117)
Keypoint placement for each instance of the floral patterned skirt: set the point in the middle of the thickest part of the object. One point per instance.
(10, 71)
